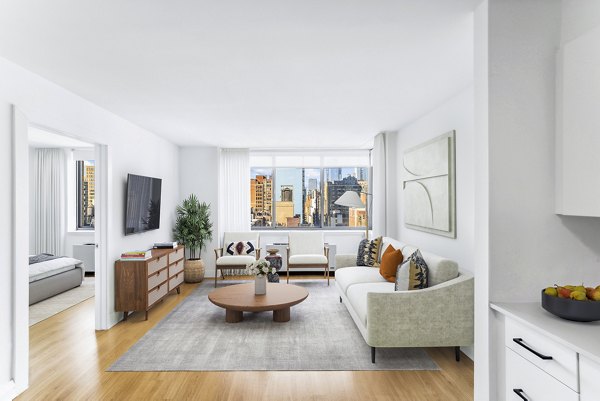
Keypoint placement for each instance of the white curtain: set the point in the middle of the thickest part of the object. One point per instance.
(49, 169)
(234, 193)
(379, 163)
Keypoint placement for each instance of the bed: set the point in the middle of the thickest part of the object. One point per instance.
(50, 275)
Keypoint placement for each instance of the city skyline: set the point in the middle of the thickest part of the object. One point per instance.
(298, 196)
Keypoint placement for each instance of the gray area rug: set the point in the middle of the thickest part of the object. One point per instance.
(321, 335)
(58, 303)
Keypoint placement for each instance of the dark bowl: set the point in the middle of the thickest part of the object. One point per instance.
(570, 309)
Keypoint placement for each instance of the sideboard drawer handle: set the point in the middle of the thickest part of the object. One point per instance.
(522, 344)
(519, 392)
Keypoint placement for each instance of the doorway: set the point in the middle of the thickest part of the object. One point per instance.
(62, 247)
(20, 233)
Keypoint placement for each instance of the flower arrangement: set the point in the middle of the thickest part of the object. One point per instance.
(260, 267)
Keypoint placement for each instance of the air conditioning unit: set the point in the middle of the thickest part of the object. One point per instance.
(87, 254)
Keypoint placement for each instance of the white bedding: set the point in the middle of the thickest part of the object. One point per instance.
(38, 271)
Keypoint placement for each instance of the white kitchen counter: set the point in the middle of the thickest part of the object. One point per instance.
(581, 337)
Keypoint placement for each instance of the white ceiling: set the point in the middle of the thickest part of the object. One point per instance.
(239, 73)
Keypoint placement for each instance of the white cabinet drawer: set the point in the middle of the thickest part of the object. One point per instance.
(589, 379)
(157, 279)
(527, 342)
(157, 293)
(532, 383)
(157, 264)
(175, 256)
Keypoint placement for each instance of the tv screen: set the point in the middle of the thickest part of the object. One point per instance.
(143, 204)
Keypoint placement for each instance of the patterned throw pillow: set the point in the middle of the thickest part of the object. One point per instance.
(371, 252)
(360, 257)
(413, 274)
(240, 248)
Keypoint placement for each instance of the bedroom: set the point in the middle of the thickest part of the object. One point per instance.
(61, 223)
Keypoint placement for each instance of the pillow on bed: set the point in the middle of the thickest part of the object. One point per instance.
(42, 257)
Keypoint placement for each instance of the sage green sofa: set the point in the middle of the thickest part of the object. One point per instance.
(438, 316)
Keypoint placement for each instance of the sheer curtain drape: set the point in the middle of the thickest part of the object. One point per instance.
(379, 163)
(234, 192)
(49, 169)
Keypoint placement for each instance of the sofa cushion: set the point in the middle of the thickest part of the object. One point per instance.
(390, 260)
(235, 260)
(357, 296)
(412, 274)
(348, 276)
(440, 269)
(307, 260)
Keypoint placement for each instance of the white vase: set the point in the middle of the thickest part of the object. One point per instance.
(260, 285)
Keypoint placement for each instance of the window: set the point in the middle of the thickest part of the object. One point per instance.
(298, 197)
(85, 171)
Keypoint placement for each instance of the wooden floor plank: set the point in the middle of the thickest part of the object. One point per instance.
(69, 361)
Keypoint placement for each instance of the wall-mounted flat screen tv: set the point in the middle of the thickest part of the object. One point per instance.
(143, 204)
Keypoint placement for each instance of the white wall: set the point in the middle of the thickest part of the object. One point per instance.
(199, 175)
(455, 114)
(131, 150)
(530, 247)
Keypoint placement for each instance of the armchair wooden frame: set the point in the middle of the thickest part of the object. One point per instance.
(218, 254)
(314, 265)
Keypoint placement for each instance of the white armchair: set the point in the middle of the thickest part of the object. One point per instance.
(225, 260)
(307, 249)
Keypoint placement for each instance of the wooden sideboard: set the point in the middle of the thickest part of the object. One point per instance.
(139, 285)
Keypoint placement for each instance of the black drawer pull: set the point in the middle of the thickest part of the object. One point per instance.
(541, 356)
(519, 392)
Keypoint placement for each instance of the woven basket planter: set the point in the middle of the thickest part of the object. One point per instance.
(193, 270)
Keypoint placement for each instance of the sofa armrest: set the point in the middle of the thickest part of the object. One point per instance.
(345, 260)
(433, 317)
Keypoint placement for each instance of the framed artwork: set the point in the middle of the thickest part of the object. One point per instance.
(429, 186)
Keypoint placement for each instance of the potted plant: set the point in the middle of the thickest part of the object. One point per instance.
(194, 230)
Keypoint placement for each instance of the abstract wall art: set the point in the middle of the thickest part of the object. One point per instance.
(429, 186)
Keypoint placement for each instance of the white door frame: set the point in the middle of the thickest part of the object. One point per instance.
(101, 207)
(20, 268)
(20, 229)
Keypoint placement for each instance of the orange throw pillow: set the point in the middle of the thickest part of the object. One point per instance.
(390, 260)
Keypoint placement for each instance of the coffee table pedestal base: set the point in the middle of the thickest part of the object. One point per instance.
(233, 316)
(281, 315)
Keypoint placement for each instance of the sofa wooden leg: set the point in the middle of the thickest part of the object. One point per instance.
(457, 353)
(373, 354)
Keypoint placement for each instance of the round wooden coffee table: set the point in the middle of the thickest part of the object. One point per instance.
(240, 298)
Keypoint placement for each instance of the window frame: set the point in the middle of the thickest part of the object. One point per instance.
(79, 174)
(322, 169)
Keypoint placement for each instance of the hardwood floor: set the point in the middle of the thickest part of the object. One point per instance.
(69, 361)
